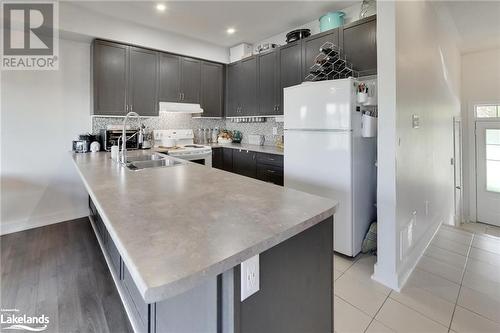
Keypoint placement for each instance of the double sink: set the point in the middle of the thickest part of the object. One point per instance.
(152, 160)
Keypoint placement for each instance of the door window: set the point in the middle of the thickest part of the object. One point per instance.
(493, 160)
(488, 111)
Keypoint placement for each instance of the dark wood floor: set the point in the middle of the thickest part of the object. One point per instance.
(59, 271)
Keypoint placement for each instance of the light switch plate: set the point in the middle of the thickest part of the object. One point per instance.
(415, 121)
(250, 280)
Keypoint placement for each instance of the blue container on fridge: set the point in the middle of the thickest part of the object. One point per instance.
(331, 21)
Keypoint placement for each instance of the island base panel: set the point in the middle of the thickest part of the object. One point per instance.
(296, 286)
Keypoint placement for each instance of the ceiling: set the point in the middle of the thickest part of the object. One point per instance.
(209, 20)
(477, 22)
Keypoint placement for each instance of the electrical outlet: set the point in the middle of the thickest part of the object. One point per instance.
(250, 280)
(275, 130)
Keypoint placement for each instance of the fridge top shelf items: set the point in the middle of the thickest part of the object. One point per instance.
(330, 64)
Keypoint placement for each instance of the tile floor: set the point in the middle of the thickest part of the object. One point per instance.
(454, 288)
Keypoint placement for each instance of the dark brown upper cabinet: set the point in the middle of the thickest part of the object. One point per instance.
(125, 79)
(248, 86)
(180, 79)
(110, 76)
(359, 41)
(242, 88)
(268, 84)
(311, 46)
(234, 79)
(212, 89)
(190, 80)
(290, 64)
(170, 78)
(143, 82)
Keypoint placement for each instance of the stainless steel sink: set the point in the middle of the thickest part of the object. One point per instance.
(146, 157)
(151, 161)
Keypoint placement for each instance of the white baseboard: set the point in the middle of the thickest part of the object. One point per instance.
(8, 227)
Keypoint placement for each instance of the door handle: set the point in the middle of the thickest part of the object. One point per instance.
(458, 187)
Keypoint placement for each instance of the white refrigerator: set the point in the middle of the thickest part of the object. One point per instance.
(326, 155)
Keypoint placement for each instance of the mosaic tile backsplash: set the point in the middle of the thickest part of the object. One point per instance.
(186, 121)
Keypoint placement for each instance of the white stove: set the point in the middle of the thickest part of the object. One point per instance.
(180, 144)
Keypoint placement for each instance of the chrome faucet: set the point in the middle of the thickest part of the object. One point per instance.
(123, 154)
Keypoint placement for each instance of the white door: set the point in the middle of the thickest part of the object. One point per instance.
(319, 162)
(457, 163)
(488, 171)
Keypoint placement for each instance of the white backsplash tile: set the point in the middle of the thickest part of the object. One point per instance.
(185, 121)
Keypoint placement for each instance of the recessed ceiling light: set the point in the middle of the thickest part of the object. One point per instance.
(161, 7)
(230, 31)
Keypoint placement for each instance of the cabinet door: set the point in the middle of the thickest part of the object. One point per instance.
(170, 78)
(290, 67)
(190, 80)
(232, 88)
(227, 159)
(360, 45)
(217, 158)
(248, 87)
(244, 163)
(110, 77)
(268, 86)
(311, 46)
(212, 89)
(143, 83)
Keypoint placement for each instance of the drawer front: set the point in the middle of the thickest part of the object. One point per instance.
(270, 159)
(270, 174)
(135, 301)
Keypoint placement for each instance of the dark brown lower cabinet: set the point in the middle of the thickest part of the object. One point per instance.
(270, 174)
(265, 167)
(244, 163)
(217, 158)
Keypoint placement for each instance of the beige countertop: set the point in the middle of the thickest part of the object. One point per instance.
(174, 226)
(260, 149)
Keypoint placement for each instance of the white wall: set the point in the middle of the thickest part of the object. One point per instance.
(42, 111)
(419, 73)
(480, 84)
(79, 22)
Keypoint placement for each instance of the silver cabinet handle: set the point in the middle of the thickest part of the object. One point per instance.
(131, 107)
(271, 171)
(126, 107)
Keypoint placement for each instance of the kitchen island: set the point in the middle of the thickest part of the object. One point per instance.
(174, 239)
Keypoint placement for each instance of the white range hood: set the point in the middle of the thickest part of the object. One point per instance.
(180, 107)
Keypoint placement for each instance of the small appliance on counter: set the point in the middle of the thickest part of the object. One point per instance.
(82, 145)
(237, 136)
(109, 138)
(256, 139)
(298, 34)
